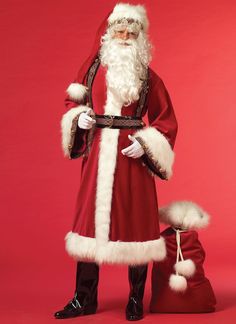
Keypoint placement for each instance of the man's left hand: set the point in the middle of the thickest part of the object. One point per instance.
(134, 150)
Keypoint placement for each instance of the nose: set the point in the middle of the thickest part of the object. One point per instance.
(125, 35)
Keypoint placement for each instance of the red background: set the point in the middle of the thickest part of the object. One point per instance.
(43, 45)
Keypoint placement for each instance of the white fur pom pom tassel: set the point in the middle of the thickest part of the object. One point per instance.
(76, 91)
(177, 283)
(185, 268)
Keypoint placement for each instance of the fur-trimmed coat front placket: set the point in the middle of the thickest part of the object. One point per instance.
(116, 218)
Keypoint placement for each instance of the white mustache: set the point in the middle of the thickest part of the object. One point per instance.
(127, 43)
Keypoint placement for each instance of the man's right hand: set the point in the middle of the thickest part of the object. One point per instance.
(85, 121)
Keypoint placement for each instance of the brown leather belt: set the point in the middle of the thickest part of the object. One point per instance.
(118, 121)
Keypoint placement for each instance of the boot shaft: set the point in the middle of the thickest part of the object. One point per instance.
(137, 279)
(87, 278)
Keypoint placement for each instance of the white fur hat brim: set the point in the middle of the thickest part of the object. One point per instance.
(124, 10)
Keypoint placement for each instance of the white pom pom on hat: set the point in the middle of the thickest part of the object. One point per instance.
(77, 91)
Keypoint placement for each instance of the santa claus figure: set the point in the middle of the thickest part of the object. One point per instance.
(116, 215)
(179, 284)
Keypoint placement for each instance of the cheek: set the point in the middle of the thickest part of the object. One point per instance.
(117, 36)
(134, 36)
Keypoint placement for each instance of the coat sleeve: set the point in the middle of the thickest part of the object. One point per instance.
(158, 138)
(75, 141)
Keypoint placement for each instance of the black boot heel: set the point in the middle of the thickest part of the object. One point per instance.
(90, 310)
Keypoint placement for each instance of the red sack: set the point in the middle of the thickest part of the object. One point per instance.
(179, 284)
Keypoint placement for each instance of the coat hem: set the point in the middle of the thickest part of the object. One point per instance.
(118, 252)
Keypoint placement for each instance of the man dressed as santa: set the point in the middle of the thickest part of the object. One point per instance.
(116, 216)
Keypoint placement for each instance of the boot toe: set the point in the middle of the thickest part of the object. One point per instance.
(134, 317)
(60, 314)
(66, 314)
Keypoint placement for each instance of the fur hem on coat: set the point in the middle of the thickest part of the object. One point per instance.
(131, 253)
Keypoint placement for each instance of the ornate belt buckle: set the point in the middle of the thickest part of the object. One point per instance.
(111, 118)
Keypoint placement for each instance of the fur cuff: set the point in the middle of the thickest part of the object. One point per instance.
(68, 127)
(87, 248)
(77, 91)
(184, 214)
(157, 149)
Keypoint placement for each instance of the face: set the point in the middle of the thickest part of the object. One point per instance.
(124, 34)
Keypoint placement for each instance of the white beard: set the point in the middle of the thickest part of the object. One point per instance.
(126, 66)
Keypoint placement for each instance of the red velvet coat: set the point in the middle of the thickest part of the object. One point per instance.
(199, 296)
(116, 217)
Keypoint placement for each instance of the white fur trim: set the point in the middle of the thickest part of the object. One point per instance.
(105, 179)
(159, 148)
(184, 214)
(106, 168)
(81, 247)
(76, 91)
(185, 268)
(177, 283)
(123, 10)
(66, 123)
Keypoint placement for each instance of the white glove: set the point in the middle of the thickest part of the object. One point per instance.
(85, 121)
(134, 150)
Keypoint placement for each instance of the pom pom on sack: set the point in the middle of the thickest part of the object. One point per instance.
(177, 283)
(185, 268)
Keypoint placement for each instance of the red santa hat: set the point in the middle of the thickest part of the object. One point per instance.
(78, 89)
(182, 216)
(122, 12)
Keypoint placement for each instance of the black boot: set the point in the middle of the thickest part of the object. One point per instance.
(137, 279)
(85, 298)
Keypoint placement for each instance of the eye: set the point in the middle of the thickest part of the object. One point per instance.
(133, 34)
